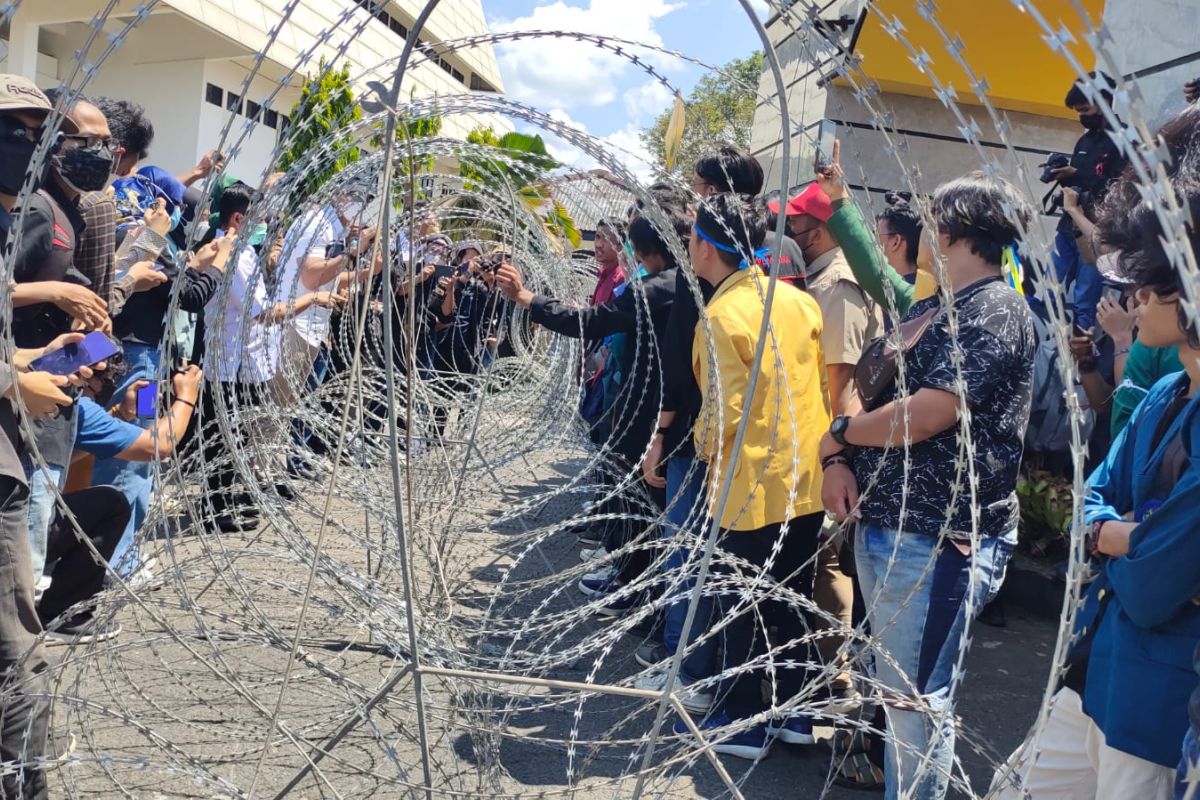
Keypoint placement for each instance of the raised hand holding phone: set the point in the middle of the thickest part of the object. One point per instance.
(830, 177)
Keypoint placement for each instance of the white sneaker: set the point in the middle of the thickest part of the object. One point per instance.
(592, 554)
(144, 580)
(602, 574)
(695, 700)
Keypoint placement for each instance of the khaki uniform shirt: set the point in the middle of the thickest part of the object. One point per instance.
(851, 319)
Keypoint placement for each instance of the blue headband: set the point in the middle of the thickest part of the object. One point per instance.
(760, 253)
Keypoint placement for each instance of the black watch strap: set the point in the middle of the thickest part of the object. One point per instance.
(837, 430)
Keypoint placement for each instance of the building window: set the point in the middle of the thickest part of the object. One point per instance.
(458, 76)
(478, 84)
(233, 102)
(271, 118)
(445, 65)
(214, 95)
(252, 110)
(398, 28)
(285, 125)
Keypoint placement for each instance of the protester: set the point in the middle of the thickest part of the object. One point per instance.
(51, 294)
(670, 462)
(1094, 164)
(638, 315)
(1117, 721)
(609, 236)
(771, 517)
(916, 547)
(471, 314)
(320, 253)
(242, 352)
(145, 327)
(850, 319)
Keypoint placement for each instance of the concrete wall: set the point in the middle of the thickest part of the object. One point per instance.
(926, 135)
(250, 145)
(172, 94)
(1148, 33)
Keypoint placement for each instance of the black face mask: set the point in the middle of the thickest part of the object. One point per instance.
(1093, 122)
(15, 155)
(84, 170)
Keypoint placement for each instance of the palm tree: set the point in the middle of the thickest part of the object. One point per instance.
(518, 168)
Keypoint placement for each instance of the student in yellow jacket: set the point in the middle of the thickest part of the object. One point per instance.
(773, 513)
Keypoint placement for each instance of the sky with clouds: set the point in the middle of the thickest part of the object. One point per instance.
(598, 91)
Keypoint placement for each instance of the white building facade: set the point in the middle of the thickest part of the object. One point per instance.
(187, 63)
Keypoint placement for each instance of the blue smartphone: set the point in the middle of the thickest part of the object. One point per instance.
(92, 349)
(147, 400)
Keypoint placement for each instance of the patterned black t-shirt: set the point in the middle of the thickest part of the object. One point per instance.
(996, 345)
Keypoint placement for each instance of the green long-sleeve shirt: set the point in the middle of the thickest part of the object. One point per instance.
(866, 260)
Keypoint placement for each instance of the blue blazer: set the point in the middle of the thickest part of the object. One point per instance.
(1140, 674)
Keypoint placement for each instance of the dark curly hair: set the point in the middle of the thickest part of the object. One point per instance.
(1129, 222)
(128, 124)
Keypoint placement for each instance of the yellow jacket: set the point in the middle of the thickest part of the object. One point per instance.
(777, 476)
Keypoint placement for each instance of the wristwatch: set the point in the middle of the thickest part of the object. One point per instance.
(837, 429)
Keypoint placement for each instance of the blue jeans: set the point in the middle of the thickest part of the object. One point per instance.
(685, 510)
(43, 481)
(1081, 279)
(302, 434)
(915, 590)
(1189, 762)
(134, 479)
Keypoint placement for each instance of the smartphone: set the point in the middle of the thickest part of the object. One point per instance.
(443, 271)
(67, 360)
(1117, 296)
(826, 133)
(147, 400)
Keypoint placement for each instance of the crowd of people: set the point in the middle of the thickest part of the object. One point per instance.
(861, 447)
(852, 431)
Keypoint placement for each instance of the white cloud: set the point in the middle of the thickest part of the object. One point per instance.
(644, 103)
(562, 72)
(623, 145)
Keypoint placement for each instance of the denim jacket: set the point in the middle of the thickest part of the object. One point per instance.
(1140, 674)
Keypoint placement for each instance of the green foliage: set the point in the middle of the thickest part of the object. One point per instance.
(1046, 505)
(520, 165)
(521, 159)
(412, 131)
(327, 107)
(719, 111)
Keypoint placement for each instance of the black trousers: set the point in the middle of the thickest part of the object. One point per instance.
(102, 513)
(23, 717)
(761, 626)
(220, 475)
(622, 528)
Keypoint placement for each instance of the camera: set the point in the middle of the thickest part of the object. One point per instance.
(1055, 161)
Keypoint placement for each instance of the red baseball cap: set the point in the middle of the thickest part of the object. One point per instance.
(812, 201)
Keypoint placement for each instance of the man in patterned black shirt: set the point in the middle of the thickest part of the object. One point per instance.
(937, 467)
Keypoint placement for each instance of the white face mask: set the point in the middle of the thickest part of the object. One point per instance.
(353, 210)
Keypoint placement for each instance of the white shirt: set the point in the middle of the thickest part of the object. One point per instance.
(236, 347)
(308, 237)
